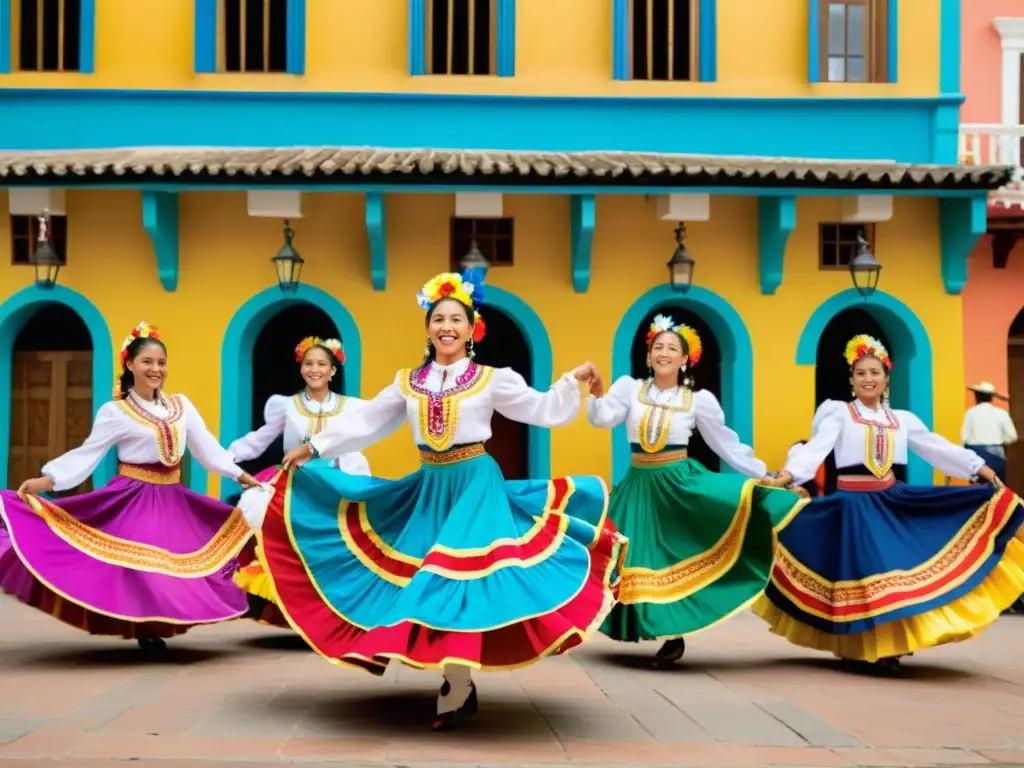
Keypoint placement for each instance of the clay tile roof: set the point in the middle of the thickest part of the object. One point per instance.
(368, 165)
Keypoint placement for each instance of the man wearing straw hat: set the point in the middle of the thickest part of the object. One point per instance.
(988, 429)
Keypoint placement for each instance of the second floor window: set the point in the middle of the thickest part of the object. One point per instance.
(853, 40)
(663, 39)
(49, 35)
(837, 243)
(254, 35)
(461, 37)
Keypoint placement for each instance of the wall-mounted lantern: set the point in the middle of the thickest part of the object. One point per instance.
(288, 263)
(680, 266)
(864, 269)
(45, 259)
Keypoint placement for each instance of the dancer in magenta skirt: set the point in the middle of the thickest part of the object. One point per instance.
(142, 558)
(298, 417)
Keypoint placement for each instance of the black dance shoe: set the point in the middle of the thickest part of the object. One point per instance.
(153, 647)
(450, 720)
(888, 667)
(671, 652)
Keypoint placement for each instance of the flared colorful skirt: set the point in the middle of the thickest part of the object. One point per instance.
(452, 564)
(701, 545)
(253, 579)
(874, 574)
(141, 556)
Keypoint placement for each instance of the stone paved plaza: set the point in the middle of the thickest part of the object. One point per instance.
(244, 695)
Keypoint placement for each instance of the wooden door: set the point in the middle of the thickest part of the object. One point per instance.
(1015, 452)
(508, 446)
(51, 410)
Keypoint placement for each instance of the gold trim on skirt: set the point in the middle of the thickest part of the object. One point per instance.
(658, 459)
(162, 476)
(452, 456)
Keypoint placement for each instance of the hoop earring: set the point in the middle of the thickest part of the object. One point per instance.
(469, 349)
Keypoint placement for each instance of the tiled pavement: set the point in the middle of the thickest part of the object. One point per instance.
(241, 696)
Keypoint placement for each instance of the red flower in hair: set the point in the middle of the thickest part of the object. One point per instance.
(446, 289)
(479, 330)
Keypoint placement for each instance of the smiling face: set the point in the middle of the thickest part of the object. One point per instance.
(449, 328)
(318, 366)
(666, 354)
(869, 379)
(149, 368)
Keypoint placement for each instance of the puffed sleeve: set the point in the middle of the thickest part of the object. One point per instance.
(357, 428)
(204, 446)
(514, 399)
(802, 461)
(613, 408)
(354, 463)
(76, 465)
(723, 440)
(947, 457)
(256, 442)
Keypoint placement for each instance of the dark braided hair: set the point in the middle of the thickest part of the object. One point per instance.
(127, 379)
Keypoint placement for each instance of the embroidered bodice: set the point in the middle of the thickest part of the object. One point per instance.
(448, 406)
(657, 418)
(299, 417)
(144, 432)
(876, 439)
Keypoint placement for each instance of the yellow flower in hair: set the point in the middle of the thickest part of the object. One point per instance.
(662, 323)
(331, 345)
(141, 331)
(863, 345)
(447, 285)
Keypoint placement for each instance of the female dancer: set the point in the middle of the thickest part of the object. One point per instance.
(142, 557)
(701, 544)
(880, 569)
(299, 417)
(451, 567)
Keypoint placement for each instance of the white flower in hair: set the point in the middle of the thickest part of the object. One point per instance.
(661, 323)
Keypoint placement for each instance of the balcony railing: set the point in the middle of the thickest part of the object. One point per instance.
(995, 144)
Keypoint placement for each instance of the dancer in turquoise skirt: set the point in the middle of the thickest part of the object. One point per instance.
(701, 544)
(881, 569)
(453, 567)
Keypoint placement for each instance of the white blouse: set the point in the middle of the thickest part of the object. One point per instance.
(655, 418)
(298, 417)
(450, 405)
(876, 439)
(145, 432)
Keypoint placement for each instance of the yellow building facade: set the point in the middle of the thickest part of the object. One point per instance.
(178, 236)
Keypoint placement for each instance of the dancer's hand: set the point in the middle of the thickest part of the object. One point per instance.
(35, 486)
(297, 456)
(247, 481)
(588, 373)
(782, 481)
(989, 476)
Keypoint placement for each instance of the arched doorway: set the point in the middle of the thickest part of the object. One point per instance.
(239, 401)
(732, 377)
(905, 336)
(707, 375)
(1015, 370)
(831, 372)
(51, 391)
(274, 370)
(505, 346)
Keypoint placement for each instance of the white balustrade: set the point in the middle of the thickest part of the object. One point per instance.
(995, 144)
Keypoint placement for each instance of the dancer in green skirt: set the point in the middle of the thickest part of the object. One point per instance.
(702, 544)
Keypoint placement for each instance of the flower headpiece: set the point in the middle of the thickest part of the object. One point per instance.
(663, 323)
(331, 345)
(450, 285)
(141, 331)
(863, 345)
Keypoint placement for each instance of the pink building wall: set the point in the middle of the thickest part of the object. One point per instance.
(992, 297)
(981, 58)
(991, 301)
